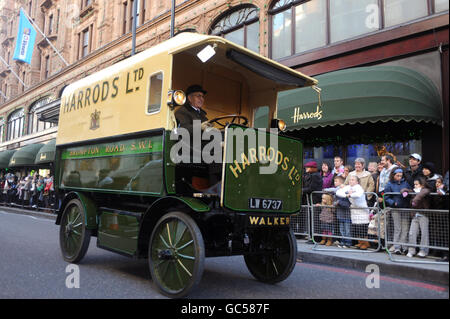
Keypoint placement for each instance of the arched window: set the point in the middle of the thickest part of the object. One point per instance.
(239, 25)
(34, 125)
(15, 124)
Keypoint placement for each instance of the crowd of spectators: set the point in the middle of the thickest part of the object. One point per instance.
(350, 191)
(32, 191)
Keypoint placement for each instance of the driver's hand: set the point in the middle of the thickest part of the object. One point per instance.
(206, 125)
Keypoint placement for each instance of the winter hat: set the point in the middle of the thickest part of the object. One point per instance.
(430, 167)
(311, 164)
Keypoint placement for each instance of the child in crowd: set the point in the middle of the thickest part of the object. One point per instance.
(326, 219)
(342, 213)
(347, 170)
(359, 213)
(440, 186)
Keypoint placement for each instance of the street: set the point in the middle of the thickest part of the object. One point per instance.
(31, 266)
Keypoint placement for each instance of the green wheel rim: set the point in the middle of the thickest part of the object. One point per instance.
(173, 253)
(72, 231)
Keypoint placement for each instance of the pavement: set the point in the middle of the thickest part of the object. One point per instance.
(428, 269)
(422, 269)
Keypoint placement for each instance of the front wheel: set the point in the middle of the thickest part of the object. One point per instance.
(176, 254)
(74, 237)
(275, 258)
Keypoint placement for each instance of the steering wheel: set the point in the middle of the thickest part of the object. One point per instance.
(234, 118)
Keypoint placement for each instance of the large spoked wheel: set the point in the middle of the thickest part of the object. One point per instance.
(276, 259)
(176, 254)
(74, 237)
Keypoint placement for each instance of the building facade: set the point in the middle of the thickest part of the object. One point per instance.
(313, 36)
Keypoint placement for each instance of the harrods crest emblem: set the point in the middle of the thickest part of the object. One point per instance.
(95, 120)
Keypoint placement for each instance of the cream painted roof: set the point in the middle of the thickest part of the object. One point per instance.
(179, 43)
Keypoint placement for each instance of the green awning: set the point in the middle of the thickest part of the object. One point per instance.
(46, 154)
(5, 157)
(361, 95)
(25, 156)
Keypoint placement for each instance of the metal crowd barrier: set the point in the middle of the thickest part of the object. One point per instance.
(417, 231)
(300, 222)
(334, 225)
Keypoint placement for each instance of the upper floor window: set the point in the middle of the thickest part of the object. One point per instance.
(15, 125)
(301, 25)
(85, 3)
(2, 129)
(349, 18)
(34, 125)
(239, 25)
(47, 67)
(84, 42)
(297, 27)
(127, 11)
(50, 24)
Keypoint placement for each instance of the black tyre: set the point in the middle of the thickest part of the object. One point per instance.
(176, 254)
(276, 259)
(74, 237)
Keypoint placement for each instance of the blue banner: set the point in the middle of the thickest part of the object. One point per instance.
(26, 36)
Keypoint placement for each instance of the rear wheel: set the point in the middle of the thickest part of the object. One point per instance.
(276, 257)
(74, 237)
(176, 254)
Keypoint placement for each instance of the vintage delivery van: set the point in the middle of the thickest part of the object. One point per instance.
(120, 177)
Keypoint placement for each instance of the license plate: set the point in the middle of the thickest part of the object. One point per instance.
(265, 203)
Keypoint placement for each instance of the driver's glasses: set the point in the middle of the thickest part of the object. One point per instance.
(199, 96)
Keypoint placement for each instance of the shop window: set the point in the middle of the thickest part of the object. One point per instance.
(400, 11)
(369, 152)
(155, 93)
(241, 26)
(322, 154)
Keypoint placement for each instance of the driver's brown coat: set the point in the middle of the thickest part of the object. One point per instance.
(186, 114)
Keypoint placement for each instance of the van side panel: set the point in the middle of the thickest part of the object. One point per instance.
(133, 165)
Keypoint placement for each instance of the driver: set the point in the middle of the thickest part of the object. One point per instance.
(192, 109)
